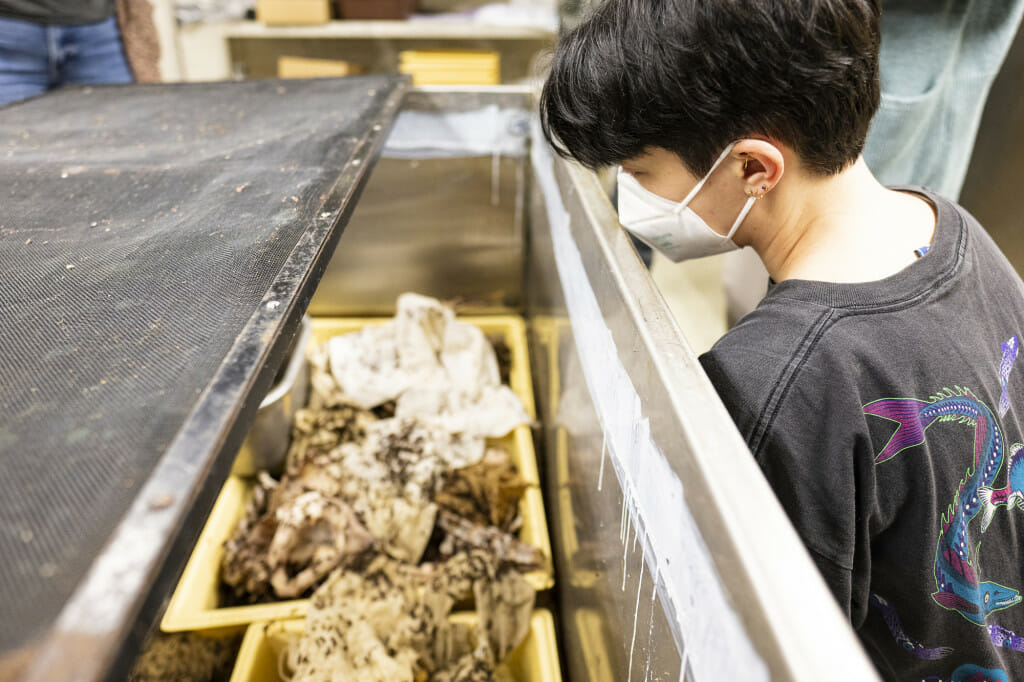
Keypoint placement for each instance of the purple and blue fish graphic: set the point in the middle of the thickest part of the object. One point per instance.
(975, 673)
(1007, 639)
(1010, 349)
(956, 581)
(1009, 496)
(892, 620)
(970, 672)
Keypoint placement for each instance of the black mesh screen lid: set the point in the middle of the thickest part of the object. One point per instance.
(141, 229)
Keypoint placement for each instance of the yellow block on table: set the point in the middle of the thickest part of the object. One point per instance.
(293, 11)
(451, 67)
(305, 67)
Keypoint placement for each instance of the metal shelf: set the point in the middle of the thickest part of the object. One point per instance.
(210, 52)
(391, 30)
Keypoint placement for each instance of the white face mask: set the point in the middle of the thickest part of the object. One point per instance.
(673, 228)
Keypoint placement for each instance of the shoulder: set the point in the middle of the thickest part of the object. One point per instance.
(752, 365)
(785, 376)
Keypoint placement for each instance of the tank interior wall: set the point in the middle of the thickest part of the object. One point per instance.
(448, 226)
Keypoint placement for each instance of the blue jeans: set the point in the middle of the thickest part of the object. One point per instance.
(35, 58)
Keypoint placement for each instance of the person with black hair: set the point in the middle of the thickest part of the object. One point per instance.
(937, 63)
(874, 383)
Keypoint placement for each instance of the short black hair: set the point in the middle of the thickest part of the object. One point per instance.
(691, 76)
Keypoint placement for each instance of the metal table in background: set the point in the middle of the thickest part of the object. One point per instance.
(158, 246)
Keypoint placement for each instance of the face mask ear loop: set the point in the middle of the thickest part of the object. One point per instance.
(743, 214)
(696, 188)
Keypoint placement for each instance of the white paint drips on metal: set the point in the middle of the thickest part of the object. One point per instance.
(716, 645)
(636, 615)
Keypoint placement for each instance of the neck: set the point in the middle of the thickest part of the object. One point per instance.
(842, 228)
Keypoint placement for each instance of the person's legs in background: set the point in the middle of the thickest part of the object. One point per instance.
(35, 58)
(92, 54)
(25, 68)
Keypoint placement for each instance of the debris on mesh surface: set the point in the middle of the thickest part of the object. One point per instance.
(186, 656)
(391, 623)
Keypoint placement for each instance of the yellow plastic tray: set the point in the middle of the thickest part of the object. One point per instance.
(193, 606)
(550, 332)
(534, 660)
(591, 630)
(578, 577)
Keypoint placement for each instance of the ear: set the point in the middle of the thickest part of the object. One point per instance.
(761, 164)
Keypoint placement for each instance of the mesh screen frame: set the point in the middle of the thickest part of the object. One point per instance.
(157, 246)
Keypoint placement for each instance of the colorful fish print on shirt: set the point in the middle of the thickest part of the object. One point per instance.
(1007, 639)
(1009, 357)
(975, 673)
(892, 620)
(970, 672)
(957, 587)
(955, 567)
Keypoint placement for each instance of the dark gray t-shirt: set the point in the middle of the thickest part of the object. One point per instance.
(887, 417)
(58, 12)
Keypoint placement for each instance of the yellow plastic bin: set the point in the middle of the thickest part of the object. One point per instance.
(194, 604)
(534, 660)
